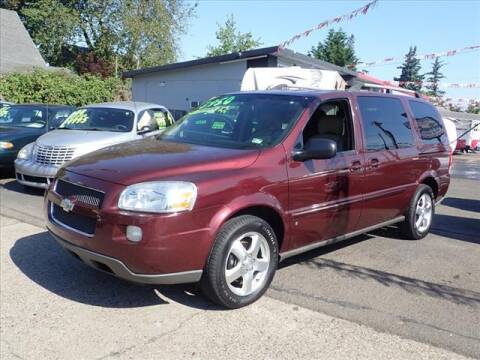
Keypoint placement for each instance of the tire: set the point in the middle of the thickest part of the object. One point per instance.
(412, 227)
(250, 271)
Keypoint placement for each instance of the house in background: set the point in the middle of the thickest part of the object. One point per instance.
(17, 50)
(184, 85)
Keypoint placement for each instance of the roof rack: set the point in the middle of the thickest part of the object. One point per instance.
(390, 89)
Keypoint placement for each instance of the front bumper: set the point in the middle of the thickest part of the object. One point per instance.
(176, 244)
(116, 267)
(30, 173)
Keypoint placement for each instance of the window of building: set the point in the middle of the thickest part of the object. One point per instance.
(385, 123)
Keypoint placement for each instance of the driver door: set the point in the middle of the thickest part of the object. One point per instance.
(324, 199)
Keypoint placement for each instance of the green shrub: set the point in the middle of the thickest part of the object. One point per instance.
(60, 87)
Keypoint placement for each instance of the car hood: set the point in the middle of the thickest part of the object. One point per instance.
(82, 140)
(151, 159)
(12, 133)
(19, 136)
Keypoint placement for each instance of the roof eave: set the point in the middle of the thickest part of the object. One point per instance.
(204, 61)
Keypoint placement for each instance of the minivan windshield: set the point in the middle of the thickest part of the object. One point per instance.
(100, 119)
(240, 121)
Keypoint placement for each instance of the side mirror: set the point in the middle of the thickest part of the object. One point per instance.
(316, 148)
(144, 130)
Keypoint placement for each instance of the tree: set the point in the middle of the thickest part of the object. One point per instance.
(15, 5)
(473, 107)
(150, 31)
(434, 77)
(338, 49)
(410, 77)
(230, 40)
(105, 34)
(49, 23)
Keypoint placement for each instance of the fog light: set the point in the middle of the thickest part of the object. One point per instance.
(134, 233)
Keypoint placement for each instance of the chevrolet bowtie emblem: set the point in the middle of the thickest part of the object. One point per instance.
(67, 205)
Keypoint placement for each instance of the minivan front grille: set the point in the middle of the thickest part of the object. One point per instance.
(53, 155)
(76, 222)
(79, 193)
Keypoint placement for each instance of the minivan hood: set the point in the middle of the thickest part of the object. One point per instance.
(152, 159)
(91, 140)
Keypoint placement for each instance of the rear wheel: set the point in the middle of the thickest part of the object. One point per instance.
(419, 216)
(242, 262)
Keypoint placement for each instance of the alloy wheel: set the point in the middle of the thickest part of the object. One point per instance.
(423, 213)
(247, 263)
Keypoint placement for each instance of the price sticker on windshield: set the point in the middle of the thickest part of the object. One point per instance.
(4, 110)
(77, 117)
(218, 125)
(160, 119)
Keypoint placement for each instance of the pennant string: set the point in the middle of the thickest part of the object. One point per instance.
(430, 56)
(363, 10)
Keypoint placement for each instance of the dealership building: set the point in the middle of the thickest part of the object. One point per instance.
(183, 85)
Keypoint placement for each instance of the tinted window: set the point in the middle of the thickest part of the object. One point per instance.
(241, 121)
(385, 123)
(23, 116)
(429, 123)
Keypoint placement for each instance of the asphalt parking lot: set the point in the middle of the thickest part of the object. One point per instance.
(353, 299)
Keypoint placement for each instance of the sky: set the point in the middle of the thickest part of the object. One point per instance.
(388, 30)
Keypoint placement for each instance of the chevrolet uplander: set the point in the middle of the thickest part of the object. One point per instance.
(247, 180)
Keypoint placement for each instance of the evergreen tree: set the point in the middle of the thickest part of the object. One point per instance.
(230, 40)
(338, 49)
(434, 77)
(410, 77)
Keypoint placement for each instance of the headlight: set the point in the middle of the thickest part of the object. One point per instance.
(6, 145)
(25, 152)
(159, 197)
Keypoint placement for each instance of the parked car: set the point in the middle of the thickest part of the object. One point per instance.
(249, 179)
(22, 124)
(88, 129)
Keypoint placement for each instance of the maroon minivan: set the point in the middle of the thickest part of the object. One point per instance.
(247, 180)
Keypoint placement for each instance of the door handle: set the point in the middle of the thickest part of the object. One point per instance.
(356, 166)
(374, 163)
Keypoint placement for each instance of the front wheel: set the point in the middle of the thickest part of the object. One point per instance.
(419, 216)
(242, 262)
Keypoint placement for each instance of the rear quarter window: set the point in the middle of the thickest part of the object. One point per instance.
(429, 123)
(385, 123)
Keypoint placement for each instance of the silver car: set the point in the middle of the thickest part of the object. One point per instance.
(88, 129)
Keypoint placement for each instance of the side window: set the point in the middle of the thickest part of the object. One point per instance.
(146, 121)
(385, 123)
(162, 118)
(429, 123)
(332, 120)
(154, 119)
(58, 117)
